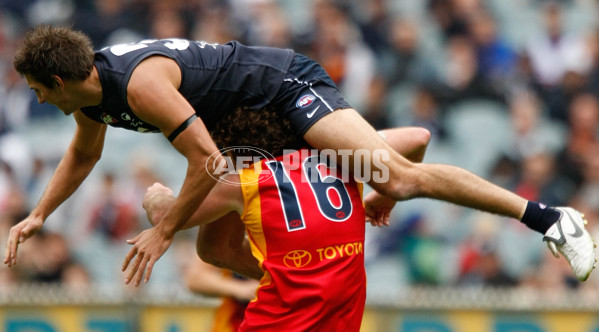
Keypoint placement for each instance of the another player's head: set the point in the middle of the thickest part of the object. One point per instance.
(48, 51)
(265, 129)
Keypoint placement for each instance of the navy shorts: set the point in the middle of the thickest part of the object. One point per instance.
(307, 94)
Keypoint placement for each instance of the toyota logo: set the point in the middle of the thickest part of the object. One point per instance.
(297, 258)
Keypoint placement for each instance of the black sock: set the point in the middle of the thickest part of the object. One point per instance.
(539, 217)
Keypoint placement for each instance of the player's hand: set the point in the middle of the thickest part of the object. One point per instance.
(157, 200)
(148, 246)
(378, 209)
(17, 235)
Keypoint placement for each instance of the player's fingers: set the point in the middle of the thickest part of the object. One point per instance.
(8, 252)
(386, 219)
(381, 219)
(141, 270)
(128, 258)
(133, 240)
(384, 222)
(12, 246)
(149, 269)
(134, 268)
(370, 214)
(25, 233)
(375, 220)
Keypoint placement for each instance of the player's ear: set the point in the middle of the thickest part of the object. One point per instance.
(57, 81)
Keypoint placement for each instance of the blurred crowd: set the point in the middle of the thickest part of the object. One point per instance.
(508, 88)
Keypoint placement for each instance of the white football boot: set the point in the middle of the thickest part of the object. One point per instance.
(569, 237)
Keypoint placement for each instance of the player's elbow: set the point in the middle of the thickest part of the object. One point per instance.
(85, 158)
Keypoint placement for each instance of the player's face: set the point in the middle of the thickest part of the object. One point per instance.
(56, 96)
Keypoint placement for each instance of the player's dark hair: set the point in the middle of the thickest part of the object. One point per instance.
(265, 129)
(47, 50)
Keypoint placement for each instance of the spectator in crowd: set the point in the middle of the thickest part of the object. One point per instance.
(558, 58)
(49, 260)
(107, 21)
(533, 132)
(338, 47)
(496, 58)
(539, 181)
(582, 137)
(111, 215)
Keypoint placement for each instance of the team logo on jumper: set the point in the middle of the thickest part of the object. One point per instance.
(108, 119)
(297, 259)
(305, 101)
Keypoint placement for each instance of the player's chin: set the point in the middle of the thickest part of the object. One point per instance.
(67, 110)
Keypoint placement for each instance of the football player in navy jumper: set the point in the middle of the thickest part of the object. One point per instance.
(181, 88)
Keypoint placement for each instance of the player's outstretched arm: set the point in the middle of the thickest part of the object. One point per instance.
(76, 164)
(152, 93)
(221, 243)
(223, 198)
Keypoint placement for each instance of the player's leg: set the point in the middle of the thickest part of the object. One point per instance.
(317, 111)
(346, 129)
(325, 120)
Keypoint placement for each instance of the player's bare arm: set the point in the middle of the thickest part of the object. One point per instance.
(78, 161)
(221, 243)
(153, 96)
(223, 198)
